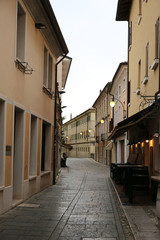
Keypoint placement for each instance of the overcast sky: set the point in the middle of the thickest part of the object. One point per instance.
(97, 43)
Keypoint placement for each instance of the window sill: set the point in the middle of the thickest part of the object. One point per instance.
(32, 177)
(2, 188)
(138, 91)
(130, 46)
(48, 92)
(23, 66)
(145, 80)
(155, 64)
(45, 173)
(139, 19)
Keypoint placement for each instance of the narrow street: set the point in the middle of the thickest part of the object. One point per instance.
(82, 205)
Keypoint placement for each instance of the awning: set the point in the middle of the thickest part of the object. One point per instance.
(136, 119)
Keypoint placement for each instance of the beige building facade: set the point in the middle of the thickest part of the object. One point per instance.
(79, 132)
(102, 120)
(31, 45)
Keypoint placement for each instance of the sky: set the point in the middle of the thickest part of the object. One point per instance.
(97, 43)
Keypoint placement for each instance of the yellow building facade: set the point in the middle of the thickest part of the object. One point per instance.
(79, 132)
(30, 49)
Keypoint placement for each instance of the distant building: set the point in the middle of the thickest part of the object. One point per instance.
(118, 93)
(79, 132)
(102, 119)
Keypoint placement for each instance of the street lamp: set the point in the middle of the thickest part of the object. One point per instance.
(102, 121)
(112, 104)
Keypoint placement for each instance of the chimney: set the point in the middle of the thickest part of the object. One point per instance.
(70, 116)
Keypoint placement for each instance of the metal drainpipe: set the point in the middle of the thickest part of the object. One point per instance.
(55, 124)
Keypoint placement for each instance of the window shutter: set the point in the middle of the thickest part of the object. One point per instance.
(129, 90)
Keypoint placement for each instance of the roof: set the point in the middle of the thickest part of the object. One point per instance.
(92, 109)
(102, 92)
(119, 67)
(42, 12)
(123, 10)
(66, 64)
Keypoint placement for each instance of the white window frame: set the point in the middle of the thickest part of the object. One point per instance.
(2, 142)
(47, 69)
(19, 48)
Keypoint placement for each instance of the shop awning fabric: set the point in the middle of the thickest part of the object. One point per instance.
(150, 112)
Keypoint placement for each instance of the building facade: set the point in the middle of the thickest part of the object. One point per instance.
(143, 123)
(143, 79)
(30, 48)
(79, 132)
(118, 93)
(102, 114)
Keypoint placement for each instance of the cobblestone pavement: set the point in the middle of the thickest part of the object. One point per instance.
(83, 205)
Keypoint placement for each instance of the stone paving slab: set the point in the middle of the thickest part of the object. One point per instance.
(83, 205)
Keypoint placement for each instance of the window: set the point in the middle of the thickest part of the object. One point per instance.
(140, 7)
(146, 65)
(129, 90)
(47, 70)
(130, 35)
(157, 39)
(139, 73)
(21, 27)
(119, 90)
(124, 81)
(140, 11)
(157, 44)
(2, 143)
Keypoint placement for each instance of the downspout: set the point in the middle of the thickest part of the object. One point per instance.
(55, 123)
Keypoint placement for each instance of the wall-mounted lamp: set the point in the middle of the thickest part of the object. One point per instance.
(89, 130)
(112, 104)
(61, 92)
(40, 26)
(156, 135)
(102, 121)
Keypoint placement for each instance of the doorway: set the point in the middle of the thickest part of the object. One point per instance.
(122, 151)
(18, 154)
